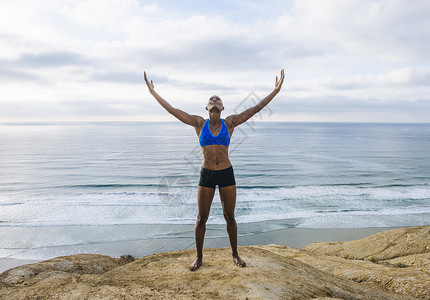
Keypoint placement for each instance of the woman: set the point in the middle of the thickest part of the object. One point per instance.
(214, 137)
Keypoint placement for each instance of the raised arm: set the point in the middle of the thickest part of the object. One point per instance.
(236, 120)
(181, 115)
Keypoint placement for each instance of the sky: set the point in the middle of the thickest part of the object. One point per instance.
(344, 60)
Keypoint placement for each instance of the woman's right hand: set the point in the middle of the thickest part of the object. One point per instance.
(150, 84)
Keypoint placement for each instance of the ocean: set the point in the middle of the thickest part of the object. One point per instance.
(105, 178)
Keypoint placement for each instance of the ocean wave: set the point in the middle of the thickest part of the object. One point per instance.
(104, 186)
(177, 205)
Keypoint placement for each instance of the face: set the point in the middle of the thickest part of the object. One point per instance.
(215, 102)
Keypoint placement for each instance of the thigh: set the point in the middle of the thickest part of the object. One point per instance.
(205, 196)
(228, 198)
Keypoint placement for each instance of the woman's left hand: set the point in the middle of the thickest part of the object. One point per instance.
(278, 83)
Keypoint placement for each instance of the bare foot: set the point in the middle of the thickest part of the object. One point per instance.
(238, 261)
(196, 264)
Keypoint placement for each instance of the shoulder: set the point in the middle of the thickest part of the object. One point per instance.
(229, 121)
(199, 121)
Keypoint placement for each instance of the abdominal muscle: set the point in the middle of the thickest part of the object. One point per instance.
(215, 157)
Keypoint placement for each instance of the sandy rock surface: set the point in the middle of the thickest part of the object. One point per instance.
(397, 259)
(379, 246)
(272, 272)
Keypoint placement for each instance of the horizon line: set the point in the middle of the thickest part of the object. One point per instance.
(167, 121)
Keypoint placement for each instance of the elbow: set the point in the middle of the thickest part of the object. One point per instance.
(170, 109)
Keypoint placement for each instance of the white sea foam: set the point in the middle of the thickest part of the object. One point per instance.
(303, 205)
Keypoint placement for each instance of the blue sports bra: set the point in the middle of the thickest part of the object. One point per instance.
(207, 138)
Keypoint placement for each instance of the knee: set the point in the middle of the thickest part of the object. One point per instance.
(201, 220)
(229, 217)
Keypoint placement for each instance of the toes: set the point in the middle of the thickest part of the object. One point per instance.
(195, 265)
(238, 261)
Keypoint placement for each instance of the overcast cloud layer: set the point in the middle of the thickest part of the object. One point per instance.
(358, 60)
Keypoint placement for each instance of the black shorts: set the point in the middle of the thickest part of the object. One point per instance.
(221, 178)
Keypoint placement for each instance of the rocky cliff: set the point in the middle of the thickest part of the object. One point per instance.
(393, 264)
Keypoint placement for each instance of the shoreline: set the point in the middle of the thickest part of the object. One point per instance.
(216, 237)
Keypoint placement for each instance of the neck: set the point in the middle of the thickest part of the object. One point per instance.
(214, 117)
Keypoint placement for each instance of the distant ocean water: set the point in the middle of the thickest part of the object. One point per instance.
(309, 175)
(314, 175)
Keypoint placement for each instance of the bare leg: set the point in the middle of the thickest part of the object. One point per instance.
(228, 200)
(205, 196)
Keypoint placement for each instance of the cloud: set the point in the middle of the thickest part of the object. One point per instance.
(106, 13)
(119, 77)
(359, 54)
(8, 75)
(50, 59)
(407, 77)
(388, 29)
(403, 81)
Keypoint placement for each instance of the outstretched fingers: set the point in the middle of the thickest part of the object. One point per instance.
(150, 84)
(279, 82)
(145, 77)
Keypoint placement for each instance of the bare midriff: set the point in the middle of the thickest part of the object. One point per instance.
(215, 157)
